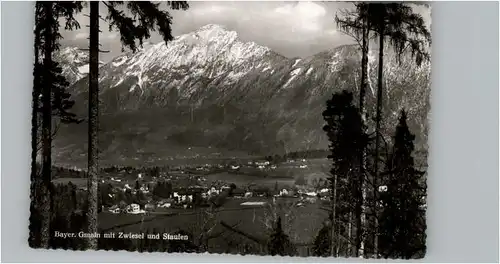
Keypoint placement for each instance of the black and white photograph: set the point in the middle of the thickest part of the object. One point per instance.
(289, 128)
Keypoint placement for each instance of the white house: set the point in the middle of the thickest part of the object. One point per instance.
(133, 209)
(164, 204)
(114, 210)
(262, 163)
(311, 194)
(324, 190)
(253, 203)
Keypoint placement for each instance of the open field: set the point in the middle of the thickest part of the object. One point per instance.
(285, 174)
(300, 223)
(242, 179)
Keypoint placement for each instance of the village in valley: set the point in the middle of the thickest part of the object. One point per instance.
(233, 184)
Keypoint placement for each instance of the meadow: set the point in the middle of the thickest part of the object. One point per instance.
(301, 224)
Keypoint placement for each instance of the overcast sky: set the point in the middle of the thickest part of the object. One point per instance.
(293, 29)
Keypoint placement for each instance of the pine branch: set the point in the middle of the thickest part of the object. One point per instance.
(100, 17)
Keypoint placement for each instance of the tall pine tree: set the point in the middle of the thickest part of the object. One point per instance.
(344, 129)
(402, 219)
(50, 100)
(356, 24)
(407, 32)
(145, 17)
(279, 243)
(323, 241)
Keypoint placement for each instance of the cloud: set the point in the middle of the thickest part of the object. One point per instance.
(305, 16)
(211, 10)
(112, 36)
(302, 9)
(290, 28)
(293, 29)
(267, 23)
(81, 35)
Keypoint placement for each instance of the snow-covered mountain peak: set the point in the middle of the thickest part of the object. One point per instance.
(211, 34)
(212, 27)
(211, 31)
(73, 55)
(74, 62)
(211, 51)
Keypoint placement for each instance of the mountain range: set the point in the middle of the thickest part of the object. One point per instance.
(207, 94)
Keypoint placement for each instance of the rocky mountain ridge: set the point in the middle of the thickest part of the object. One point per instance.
(209, 90)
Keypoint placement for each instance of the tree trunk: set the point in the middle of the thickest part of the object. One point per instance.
(349, 236)
(44, 207)
(378, 135)
(364, 71)
(35, 181)
(93, 153)
(337, 243)
(360, 214)
(34, 112)
(334, 216)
